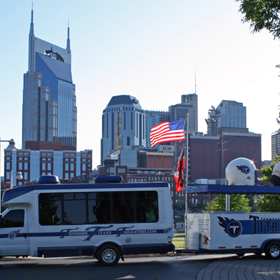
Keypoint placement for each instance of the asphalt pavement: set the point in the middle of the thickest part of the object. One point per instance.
(245, 268)
(183, 267)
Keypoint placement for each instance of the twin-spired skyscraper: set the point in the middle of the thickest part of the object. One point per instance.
(49, 111)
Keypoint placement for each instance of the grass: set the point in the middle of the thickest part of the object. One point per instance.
(179, 240)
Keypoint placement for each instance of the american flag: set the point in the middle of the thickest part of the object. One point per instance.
(167, 132)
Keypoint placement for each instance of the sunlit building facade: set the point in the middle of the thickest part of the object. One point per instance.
(43, 158)
(123, 125)
(49, 111)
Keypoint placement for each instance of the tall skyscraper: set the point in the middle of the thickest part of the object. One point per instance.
(49, 111)
(123, 125)
(188, 105)
(275, 138)
(153, 118)
(229, 116)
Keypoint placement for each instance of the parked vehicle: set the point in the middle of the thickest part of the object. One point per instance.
(105, 220)
(234, 231)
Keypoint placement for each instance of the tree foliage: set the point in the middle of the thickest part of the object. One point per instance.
(262, 14)
(269, 202)
(238, 202)
(267, 170)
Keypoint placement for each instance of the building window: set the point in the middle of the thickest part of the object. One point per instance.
(8, 165)
(66, 166)
(72, 166)
(84, 168)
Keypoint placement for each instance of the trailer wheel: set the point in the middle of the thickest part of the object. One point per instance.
(108, 254)
(272, 250)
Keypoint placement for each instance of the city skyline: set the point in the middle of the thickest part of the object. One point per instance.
(150, 50)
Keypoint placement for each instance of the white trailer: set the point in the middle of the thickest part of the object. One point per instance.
(230, 231)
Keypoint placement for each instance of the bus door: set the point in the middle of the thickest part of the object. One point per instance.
(13, 233)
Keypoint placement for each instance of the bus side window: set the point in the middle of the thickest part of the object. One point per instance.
(14, 218)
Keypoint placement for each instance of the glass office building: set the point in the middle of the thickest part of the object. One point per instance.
(123, 125)
(49, 99)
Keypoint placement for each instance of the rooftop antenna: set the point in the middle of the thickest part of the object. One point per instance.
(68, 38)
(195, 81)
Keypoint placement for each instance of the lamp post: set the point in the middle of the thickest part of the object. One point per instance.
(11, 146)
(18, 177)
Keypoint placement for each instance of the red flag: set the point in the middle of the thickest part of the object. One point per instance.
(179, 173)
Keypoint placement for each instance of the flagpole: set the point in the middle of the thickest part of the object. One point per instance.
(187, 175)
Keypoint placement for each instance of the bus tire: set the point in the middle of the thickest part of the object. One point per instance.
(108, 254)
(272, 250)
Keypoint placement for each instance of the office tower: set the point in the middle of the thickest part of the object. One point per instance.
(153, 118)
(49, 111)
(275, 144)
(191, 101)
(123, 125)
(275, 139)
(229, 116)
(188, 105)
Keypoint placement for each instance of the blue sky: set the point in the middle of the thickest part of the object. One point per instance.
(149, 49)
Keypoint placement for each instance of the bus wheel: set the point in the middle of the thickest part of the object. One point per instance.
(272, 250)
(108, 254)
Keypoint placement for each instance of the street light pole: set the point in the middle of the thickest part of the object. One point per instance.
(18, 177)
(11, 146)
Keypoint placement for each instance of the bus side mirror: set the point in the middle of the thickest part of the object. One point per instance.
(1, 221)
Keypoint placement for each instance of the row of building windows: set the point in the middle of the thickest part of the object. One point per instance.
(20, 153)
(119, 109)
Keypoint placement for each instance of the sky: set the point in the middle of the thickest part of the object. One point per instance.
(150, 49)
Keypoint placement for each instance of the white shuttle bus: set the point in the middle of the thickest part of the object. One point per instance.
(107, 219)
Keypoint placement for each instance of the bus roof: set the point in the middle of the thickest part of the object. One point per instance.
(21, 190)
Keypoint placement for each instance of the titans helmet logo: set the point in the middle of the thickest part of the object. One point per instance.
(13, 234)
(243, 168)
(232, 227)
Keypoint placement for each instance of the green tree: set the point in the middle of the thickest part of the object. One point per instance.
(267, 170)
(238, 202)
(262, 14)
(269, 202)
